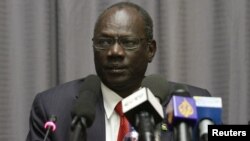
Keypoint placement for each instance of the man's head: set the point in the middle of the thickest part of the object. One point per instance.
(123, 46)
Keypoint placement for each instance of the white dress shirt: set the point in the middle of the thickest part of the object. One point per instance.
(112, 119)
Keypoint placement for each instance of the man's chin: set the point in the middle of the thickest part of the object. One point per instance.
(116, 83)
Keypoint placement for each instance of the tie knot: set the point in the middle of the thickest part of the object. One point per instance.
(118, 108)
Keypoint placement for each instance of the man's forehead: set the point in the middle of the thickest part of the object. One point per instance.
(120, 19)
(121, 14)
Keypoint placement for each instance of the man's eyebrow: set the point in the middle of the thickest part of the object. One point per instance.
(104, 35)
(112, 36)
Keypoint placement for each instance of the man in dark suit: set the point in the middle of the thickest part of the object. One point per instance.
(123, 46)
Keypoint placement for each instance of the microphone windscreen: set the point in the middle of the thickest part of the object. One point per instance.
(53, 118)
(180, 90)
(91, 83)
(158, 86)
(86, 103)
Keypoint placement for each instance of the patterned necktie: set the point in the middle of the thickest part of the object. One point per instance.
(124, 124)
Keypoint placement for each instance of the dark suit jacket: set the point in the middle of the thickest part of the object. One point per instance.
(58, 101)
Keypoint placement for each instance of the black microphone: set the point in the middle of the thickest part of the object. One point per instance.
(181, 114)
(143, 110)
(158, 86)
(50, 126)
(83, 112)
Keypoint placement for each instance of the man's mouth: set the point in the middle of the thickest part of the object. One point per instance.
(116, 69)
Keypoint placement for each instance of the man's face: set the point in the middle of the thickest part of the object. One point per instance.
(120, 69)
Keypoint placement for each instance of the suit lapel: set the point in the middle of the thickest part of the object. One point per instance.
(97, 131)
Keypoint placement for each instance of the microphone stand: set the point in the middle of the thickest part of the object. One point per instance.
(50, 126)
(78, 127)
(146, 126)
(47, 134)
(182, 132)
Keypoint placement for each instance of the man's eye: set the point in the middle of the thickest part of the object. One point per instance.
(130, 42)
(104, 42)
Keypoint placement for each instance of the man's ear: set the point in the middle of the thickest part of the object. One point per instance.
(151, 50)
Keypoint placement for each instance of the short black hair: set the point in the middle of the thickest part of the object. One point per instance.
(146, 17)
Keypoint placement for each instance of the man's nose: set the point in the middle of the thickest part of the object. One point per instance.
(116, 50)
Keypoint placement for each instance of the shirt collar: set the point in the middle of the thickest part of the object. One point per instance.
(110, 100)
